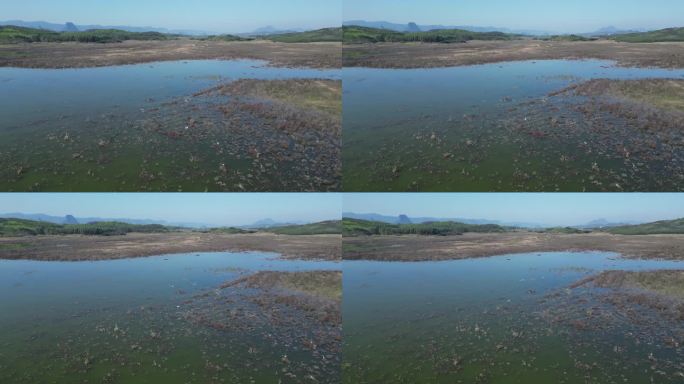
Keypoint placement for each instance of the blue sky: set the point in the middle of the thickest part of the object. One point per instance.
(229, 16)
(210, 209)
(564, 16)
(542, 208)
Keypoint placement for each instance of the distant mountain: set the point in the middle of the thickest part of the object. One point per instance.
(270, 223)
(420, 220)
(610, 31)
(70, 27)
(413, 27)
(410, 27)
(403, 219)
(69, 219)
(270, 30)
(603, 223)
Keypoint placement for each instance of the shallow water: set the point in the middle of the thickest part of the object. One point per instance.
(475, 128)
(94, 129)
(123, 321)
(480, 320)
(30, 95)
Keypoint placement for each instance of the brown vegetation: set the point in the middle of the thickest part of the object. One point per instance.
(472, 245)
(77, 55)
(430, 55)
(75, 248)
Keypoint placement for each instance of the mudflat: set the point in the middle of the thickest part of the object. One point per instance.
(431, 55)
(473, 245)
(79, 55)
(76, 248)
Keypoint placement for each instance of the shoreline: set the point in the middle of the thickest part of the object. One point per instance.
(477, 52)
(411, 248)
(92, 55)
(135, 245)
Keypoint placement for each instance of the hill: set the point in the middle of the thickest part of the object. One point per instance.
(662, 35)
(229, 230)
(332, 227)
(226, 38)
(658, 227)
(356, 35)
(356, 227)
(20, 227)
(10, 34)
(408, 27)
(319, 35)
(569, 38)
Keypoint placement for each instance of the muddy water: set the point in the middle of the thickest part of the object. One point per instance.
(86, 129)
(483, 321)
(125, 321)
(489, 128)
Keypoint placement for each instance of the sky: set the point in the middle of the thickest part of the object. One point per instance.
(224, 16)
(560, 16)
(551, 209)
(225, 209)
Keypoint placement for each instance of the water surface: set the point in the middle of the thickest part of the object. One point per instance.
(105, 129)
(483, 320)
(483, 128)
(125, 321)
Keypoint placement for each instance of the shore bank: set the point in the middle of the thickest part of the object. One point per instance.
(473, 245)
(81, 248)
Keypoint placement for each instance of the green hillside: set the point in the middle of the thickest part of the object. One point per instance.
(319, 35)
(11, 34)
(20, 227)
(663, 35)
(658, 227)
(225, 38)
(566, 230)
(356, 227)
(332, 227)
(355, 35)
(229, 230)
(569, 38)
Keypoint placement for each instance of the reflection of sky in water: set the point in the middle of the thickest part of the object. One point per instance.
(33, 286)
(408, 322)
(28, 95)
(472, 282)
(380, 96)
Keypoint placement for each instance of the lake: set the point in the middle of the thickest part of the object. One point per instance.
(132, 320)
(494, 127)
(495, 320)
(101, 129)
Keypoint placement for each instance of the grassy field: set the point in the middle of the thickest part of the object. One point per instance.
(669, 283)
(658, 227)
(355, 227)
(11, 35)
(319, 94)
(660, 93)
(355, 34)
(332, 227)
(319, 35)
(662, 35)
(19, 227)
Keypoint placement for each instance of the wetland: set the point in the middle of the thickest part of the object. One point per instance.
(234, 317)
(169, 119)
(513, 116)
(514, 318)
